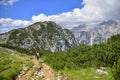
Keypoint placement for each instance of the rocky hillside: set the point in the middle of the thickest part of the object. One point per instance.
(97, 34)
(45, 35)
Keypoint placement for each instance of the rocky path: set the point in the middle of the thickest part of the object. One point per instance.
(37, 73)
(48, 73)
(30, 72)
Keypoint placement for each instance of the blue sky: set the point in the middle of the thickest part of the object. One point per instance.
(24, 9)
(67, 13)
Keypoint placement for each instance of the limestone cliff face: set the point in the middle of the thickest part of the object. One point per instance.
(98, 34)
(46, 35)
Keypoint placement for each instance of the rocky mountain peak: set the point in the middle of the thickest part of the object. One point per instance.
(108, 23)
(46, 35)
(98, 34)
(82, 27)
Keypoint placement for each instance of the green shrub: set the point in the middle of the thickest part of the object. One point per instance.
(116, 70)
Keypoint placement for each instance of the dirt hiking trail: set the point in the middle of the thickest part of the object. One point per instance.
(37, 73)
(48, 75)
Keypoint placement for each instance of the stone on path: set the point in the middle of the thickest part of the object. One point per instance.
(41, 74)
(99, 71)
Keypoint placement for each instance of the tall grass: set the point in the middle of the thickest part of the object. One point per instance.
(11, 63)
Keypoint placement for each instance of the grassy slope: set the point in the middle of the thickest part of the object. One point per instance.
(11, 63)
(88, 74)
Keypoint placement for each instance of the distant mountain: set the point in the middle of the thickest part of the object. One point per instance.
(45, 35)
(98, 34)
(82, 27)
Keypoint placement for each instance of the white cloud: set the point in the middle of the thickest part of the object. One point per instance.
(102, 9)
(2, 30)
(93, 11)
(7, 2)
(13, 23)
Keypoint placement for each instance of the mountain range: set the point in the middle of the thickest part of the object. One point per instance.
(97, 34)
(50, 36)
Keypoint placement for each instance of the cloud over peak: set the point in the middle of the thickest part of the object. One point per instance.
(13, 23)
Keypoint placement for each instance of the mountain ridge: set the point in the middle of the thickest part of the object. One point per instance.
(50, 36)
(46, 35)
(98, 34)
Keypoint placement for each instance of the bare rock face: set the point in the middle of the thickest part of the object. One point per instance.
(46, 35)
(98, 34)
